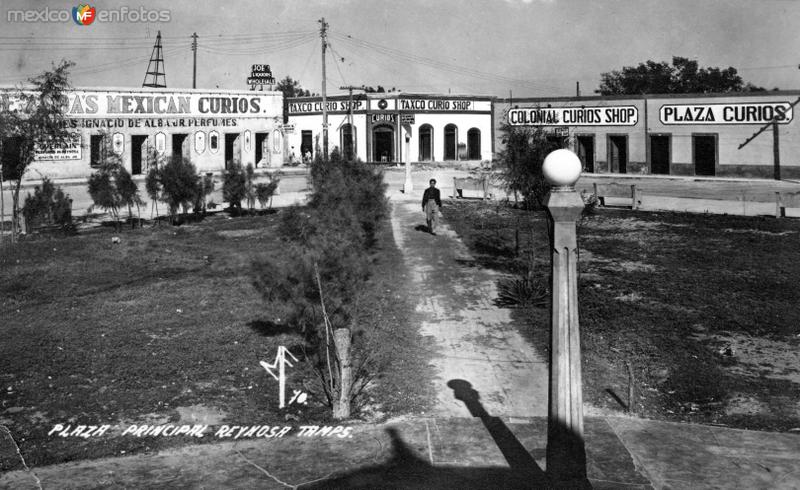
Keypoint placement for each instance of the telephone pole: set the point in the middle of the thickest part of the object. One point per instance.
(323, 33)
(194, 64)
(776, 152)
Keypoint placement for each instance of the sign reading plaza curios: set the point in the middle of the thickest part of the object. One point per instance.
(574, 116)
(745, 113)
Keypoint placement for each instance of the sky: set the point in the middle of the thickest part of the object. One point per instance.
(522, 48)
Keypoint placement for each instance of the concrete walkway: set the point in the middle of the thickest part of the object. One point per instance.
(476, 340)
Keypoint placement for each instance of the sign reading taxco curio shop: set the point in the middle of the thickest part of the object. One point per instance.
(745, 113)
(574, 116)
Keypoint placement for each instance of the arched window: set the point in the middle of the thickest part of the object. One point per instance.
(425, 143)
(450, 141)
(474, 144)
(347, 143)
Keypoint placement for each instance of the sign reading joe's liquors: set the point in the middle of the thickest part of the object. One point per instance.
(745, 113)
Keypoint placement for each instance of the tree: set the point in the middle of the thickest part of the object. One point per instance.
(40, 121)
(179, 184)
(205, 186)
(112, 186)
(290, 88)
(319, 282)
(234, 187)
(521, 161)
(684, 76)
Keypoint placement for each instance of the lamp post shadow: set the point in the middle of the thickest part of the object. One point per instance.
(518, 458)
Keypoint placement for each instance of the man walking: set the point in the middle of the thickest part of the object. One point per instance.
(431, 204)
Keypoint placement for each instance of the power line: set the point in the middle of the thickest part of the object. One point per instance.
(438, 64)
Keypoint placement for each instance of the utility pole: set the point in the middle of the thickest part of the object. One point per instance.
(776, 152)
(323, 33)
(194, 64)
(577, 89)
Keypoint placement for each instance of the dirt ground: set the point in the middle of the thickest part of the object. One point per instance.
(699, 306)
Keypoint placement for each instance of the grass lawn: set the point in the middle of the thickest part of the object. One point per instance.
(704, 308)
(166, 325)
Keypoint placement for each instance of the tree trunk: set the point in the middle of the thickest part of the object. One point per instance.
(15, 210)
(341, 407)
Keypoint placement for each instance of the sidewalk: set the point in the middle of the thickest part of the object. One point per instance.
(488, 428)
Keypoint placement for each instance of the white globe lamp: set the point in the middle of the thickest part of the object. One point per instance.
(562, 168)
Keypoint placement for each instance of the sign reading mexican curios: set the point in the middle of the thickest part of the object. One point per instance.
(746, 113)
(89, 104)
(574, 116)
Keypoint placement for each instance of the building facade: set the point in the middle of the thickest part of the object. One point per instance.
(394, 127)
(213, 129)
(703, 135)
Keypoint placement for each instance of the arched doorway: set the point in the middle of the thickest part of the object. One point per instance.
(383, 143)
(450, 141)
(348, 141)
(425, 143)
(474, 144)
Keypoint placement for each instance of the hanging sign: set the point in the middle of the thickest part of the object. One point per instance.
(199, 141)
(161, 143)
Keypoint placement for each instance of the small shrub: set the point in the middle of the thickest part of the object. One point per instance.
(264, 192)
(234, 188)
(48, 206)
(205, 186)
(179, 184)
(521, 292)
(590, 203)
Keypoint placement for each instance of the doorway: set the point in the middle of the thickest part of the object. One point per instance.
(233, 147)
(383, 143)
(347, 142)
(425, 143)
(659, 154)
(704, 151)
(474, 144)
(96, 150)
(180, 145)
(306, 145)
(9, 158)
(618, 154)
(261, 148)
(586, 152)
(450, 141)
(138, 148)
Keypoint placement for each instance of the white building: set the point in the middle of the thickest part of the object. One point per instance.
(212, 128)
(391, 127)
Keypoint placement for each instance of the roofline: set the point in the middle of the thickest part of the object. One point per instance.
(393, 95)
(155, 90)
(768, 93)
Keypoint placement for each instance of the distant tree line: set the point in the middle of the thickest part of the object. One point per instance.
(683, 76)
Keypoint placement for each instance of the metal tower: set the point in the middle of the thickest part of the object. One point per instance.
(156, 58)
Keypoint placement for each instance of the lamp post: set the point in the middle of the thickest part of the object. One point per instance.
(408, 186)
(566, 455)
